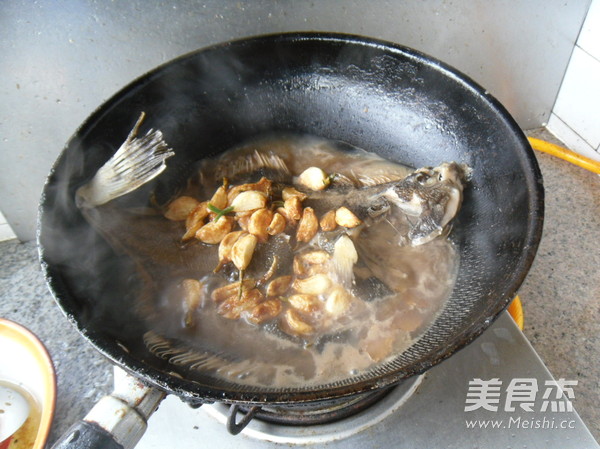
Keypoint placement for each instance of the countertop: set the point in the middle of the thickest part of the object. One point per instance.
(561, 300)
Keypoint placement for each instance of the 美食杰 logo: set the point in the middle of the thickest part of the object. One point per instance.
(518, 396)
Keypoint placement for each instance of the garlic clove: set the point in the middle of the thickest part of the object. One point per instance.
(313, 285)
(215, 231)
(219, 199)
(296, 324)
(308, 226)
(242, 251)
(305, 303)
(277, 225)
(328, 222)
(226, 246)
(249, 200)
(338, 302)
(314, 178)
(278, 286)
(180, 208)
(346, 218)
(259, 223)
(195, 220)
(289, 192)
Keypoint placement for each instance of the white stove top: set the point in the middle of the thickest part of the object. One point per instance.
(424, 412)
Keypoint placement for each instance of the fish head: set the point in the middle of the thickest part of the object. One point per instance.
(429, 198)
(446, 174)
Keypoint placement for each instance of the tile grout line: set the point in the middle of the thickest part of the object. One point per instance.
(573, 131)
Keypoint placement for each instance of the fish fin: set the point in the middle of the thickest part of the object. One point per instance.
(425, 230)
(179, 353)
(137, 161)
(342, 180)
(344, 258)
(267, 163)
(361, 180)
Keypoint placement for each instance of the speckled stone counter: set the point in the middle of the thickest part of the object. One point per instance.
(561, 294)
(83, 375)
(561, 299)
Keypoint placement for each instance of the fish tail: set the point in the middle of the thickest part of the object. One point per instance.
(137, 161)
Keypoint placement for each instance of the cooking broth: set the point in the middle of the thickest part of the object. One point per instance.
(396, 289)
(25, 436)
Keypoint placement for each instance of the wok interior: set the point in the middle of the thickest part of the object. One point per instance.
(389, 100)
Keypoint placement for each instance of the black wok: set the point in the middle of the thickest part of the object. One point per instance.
(394, 101)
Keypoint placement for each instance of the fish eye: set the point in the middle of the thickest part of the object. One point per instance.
(421, 178)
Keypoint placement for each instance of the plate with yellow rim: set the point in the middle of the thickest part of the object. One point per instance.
(27, 368)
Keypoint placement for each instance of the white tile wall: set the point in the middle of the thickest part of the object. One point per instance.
(6, 233)
(575, 118)
(589, 37)
(571, 139)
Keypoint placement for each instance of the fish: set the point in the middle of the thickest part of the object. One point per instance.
(398, 220)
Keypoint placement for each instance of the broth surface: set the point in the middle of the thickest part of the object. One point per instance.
(397, 289)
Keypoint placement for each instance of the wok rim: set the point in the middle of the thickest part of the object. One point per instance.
(194, 391)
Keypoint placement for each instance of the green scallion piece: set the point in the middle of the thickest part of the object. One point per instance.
(218, 211)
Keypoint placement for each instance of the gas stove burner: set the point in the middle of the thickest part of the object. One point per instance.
(320, 422)
(322, 412)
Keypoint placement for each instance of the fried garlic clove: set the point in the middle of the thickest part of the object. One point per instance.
(233, 307)
(226, 246)
(263, 185)
(305, 303)
(346, 218)
(287, 217)
(308, 226)
(328, 222)
(195, 220)
(293, 208)
(219, 199)
(313, 285)
(242, 251)
(311, 263)
(192, 298)
(227, 291)
(259, 223)
(278, 286)
(338, 302)
(249, 200)
(277, 225)
(298, 267)
(180, 208)
(242, 219)
(315, 257)
(314, 178)
(265, 311)
(215, 231)
(296, 324)
(289, 192)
